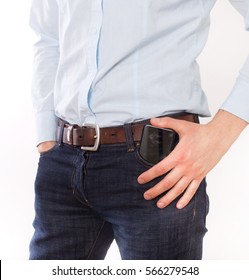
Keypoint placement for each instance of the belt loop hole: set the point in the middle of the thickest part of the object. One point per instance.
(129, 137)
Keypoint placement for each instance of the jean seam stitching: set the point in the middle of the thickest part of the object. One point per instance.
(94, 243)
(194, 217)
(72, 177)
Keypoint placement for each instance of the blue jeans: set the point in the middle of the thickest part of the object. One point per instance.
(83, 200)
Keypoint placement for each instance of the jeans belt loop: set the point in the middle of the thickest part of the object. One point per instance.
(129, 137)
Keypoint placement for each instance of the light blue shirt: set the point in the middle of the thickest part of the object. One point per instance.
(116, 61)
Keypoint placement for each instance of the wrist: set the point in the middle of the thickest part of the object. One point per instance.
(227, 127)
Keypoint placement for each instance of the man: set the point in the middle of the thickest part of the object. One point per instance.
(102, 70)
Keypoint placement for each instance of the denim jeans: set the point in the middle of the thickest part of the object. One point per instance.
(83, 200)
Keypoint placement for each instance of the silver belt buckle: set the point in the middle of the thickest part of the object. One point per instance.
(96, 137)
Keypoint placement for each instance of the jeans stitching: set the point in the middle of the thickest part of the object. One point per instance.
(193, 229)
(192, 241)
(140, 160)
(74, 191)
(94, 243)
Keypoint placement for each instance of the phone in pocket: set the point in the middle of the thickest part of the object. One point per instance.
(156, 143)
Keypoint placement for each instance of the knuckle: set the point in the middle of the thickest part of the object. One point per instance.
(169, 182)
(182, 157)
(181, 188)
(161, 169)
(192, 190)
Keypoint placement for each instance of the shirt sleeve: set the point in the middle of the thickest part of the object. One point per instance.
(237, 102)
(44, 21)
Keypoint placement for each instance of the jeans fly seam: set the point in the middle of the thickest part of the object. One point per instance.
(86, 156)
(74, 171)
(72, 185)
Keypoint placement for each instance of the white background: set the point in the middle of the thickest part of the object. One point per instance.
(228, 183)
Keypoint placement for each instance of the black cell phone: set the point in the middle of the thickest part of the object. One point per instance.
(157, 143)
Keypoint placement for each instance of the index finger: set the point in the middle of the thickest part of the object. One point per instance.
(157, 170)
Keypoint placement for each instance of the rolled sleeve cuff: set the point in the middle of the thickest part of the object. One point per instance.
(46, 124)
(237, 102)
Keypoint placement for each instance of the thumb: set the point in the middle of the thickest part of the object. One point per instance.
(166, 122)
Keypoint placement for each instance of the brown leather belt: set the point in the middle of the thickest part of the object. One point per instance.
(90, 136)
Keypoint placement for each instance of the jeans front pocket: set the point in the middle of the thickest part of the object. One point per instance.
(49, 150)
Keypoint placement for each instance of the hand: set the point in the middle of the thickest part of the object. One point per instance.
(46, 146)
(199, 149)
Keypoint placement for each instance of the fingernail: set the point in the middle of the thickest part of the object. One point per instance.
(147, 196)
(140, 180)
(179, 206)
(161, 204)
